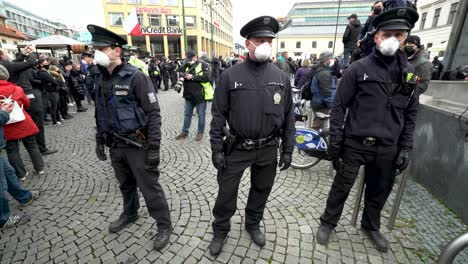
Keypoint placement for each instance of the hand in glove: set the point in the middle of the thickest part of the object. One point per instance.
(218, 161)
(285, 161)
(152, 158)
(100, 152)
(333, 151)
(402, 160)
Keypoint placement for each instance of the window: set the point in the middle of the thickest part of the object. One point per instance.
(429, 45)
(172, 2)
(282, 45)
(190, 21)
(140, 18)
(314, 44)
(172, 21)
(436, 17)
(202, 23)
(3, 41)
(114, 1)
(330, 44)
(154, 2)
(298, 45)
(134, 1)
(154, 20)
(453, 11)
(15, 42)
(189, 3)
(115, 19)
(423, 21)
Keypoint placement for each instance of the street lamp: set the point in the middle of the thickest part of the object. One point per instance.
(210, 4)
(336, 27)
(184, 26)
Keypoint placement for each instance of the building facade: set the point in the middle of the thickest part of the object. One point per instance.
(9, 36)
(30, 24)
(162, 26)
(311, 27)
(435, 23)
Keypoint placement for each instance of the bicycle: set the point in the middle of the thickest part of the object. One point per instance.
(310, 145)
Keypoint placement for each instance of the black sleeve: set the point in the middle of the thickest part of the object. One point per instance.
(425, 71)
(47, 78)
(17, 67)
(409, 115)
(206, 77)
(344, 95)
(324, 80)
(219, 111)
(346, 34)
(144, 92)
(288, 130)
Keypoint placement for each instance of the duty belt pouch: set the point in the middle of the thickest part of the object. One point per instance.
(228, 146)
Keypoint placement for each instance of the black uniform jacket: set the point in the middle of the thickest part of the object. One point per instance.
(374, 110)
(255, 99)
(143, 90)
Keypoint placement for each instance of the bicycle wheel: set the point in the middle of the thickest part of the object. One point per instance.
(302, 160)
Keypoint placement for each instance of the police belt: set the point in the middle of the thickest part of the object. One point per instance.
(366, 141)
(251, 144)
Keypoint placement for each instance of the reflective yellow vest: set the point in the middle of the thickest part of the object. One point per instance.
(209, 92)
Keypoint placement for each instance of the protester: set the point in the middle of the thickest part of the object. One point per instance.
(197, 91)
(323, 87)
(418, 57)
(23, 131)
(350, 37)
(437, 68)
(8, 181)
(303, 75)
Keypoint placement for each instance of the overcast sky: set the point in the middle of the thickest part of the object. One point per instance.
(83, 12)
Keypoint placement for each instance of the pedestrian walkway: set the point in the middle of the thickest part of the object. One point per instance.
(81, 197)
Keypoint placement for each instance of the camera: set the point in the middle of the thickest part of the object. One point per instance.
(179, 84)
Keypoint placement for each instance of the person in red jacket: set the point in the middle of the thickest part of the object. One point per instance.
(24, 130)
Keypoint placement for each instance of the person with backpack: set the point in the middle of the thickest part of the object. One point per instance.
(323, 87)
(303, 75)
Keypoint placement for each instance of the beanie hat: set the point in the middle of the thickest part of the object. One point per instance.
(4, 74)
(414, 40)
(325, 55)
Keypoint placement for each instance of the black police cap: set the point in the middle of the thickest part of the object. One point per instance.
(396, 19)
(264, 26)
(87, 54)
(102, 37)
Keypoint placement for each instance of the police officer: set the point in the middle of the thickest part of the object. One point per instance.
(254, 99)
(378, 92)
(165, 70)
(127, 115)
(172, 72)
(154, 74)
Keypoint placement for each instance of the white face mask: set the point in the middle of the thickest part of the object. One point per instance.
(262, 52)
(101, 58)
(389, 46)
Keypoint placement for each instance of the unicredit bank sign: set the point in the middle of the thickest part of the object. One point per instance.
(172, 31)
(154, 10)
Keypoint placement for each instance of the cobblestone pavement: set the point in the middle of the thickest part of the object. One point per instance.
(80, 198)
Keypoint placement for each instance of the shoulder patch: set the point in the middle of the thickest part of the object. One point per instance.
(152, 98)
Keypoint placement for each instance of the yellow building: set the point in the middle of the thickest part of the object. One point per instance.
(162, 25)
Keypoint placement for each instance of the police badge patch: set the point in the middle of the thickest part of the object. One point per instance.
(152, 98)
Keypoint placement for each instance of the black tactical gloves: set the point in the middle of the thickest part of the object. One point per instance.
(218, 160)
(285, 161)
(152, 158)
(100, 152)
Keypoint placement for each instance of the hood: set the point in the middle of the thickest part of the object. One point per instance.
(356, 23)
(319, 67)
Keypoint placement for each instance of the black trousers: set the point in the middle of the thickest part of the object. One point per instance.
(263, 171)
(155, 82)
(14, 156)
(165, 78)
(63, 105)
(128, 164)
(53, 101)
(379, 162)
(36, 111)
(173, 76)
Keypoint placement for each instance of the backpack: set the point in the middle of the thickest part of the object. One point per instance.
(306, 92)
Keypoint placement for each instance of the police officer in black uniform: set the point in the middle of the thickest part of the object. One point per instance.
(165, 67)
(127, 115)
(173, 72)
(254, 99)
(378, 92)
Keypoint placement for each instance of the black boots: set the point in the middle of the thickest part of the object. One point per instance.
(216, 246)
(122, 222)
(162, 238)
(323, 234)
(377, 239)
(258, 237)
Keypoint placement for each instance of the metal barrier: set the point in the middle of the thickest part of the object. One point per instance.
(450, 251)
(396, 204)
